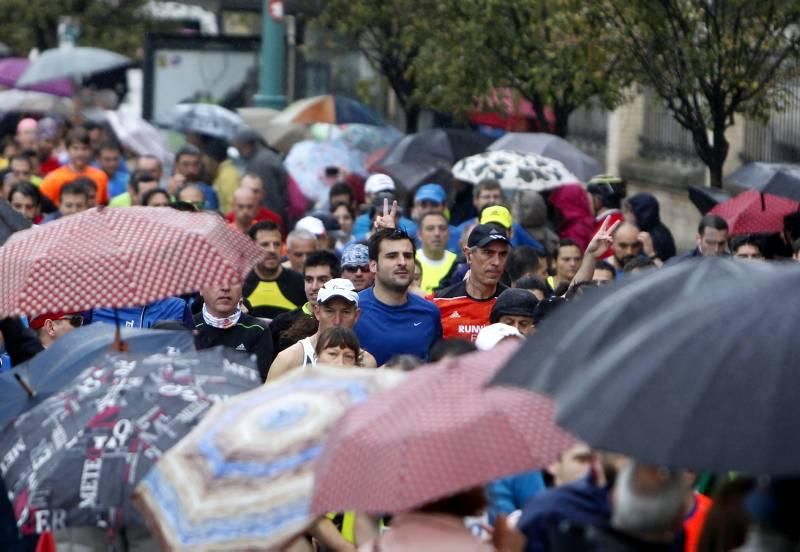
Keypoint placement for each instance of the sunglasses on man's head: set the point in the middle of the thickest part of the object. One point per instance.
(76, 320)
(355, 269)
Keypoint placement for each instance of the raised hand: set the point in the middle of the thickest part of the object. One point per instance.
(647, 244)
(603, 239)
(388, 218)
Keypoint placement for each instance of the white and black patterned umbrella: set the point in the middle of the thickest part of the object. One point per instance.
(514, 170)
(76, 457)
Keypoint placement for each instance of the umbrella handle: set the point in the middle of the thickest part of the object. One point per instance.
(118, 345)
(25, 385)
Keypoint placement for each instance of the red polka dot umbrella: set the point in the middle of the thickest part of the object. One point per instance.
(753, 212)
(438, 433)
(118, 258)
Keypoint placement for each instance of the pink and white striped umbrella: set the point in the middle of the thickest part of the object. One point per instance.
(119, 258)
(438, 433)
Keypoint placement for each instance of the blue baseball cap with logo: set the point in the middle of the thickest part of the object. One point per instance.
(431, 192)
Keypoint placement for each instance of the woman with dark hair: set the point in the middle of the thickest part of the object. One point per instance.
(338, 346)
(156, 198)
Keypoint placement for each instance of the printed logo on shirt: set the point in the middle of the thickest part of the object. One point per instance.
(417, 324)
(241, 347)
(455, 315)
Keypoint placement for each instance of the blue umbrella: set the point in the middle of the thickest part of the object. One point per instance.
(52, 369)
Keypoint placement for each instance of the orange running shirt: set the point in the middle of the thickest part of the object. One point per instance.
(463, 316)
(694, 521)
(55, 180)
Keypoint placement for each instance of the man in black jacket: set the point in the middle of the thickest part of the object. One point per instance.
(222, 322)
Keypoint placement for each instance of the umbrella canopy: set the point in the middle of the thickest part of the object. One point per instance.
(438, 433)
(781, 179)
(549, 145)
(706, 198)
(34, 102)
(515, 171)
(70, 62)
(281, 136)
(119, 258)
(12, 68)
(365, 138)
(753, 212)
(435, 146)
(10, 221)
(209, 119)
(690, 366)
(52, 369)
(329, 109)
(138, 135)
(307, 160)
(410, 175)
(242, 480)
(81, 452)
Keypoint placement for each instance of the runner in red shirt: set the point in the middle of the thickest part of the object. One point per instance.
(467, 305)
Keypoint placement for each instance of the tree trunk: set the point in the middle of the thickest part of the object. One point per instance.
(719, 153)
(412, 117)
(561, 123)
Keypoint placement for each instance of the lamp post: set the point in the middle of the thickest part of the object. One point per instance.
(272, 90)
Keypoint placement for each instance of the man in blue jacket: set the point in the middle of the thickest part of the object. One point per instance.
(171, 308)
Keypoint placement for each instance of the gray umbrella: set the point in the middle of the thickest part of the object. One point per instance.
(10, 221)
(577, 162)
(782, 179)
(71, 62)
(693, 366)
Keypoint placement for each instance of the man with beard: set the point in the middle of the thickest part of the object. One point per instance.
(269, 288)
(625, 247)
(392, 321)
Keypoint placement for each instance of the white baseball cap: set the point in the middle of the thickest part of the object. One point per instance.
(338, 287)
(491, 335)
(378, 183)
(312, 224)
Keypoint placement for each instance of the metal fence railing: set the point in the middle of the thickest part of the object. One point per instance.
(779, 139)
(662, 137)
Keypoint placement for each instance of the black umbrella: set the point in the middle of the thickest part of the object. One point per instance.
(706, 198)
(781, 179)
(79, 454)
(439, 146)
(411, 175)
(10, 221)
(48, 372)
(692, 366)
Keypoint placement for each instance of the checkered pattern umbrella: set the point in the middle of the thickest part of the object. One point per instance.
(118, 258)
(753, 212)
(438, 433)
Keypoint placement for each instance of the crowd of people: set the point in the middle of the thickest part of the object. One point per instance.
(374, 276)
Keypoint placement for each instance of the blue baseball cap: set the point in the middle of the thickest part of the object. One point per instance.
(431, 192)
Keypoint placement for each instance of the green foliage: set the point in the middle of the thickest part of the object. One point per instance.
(383, 31)
(116, 25)
(709, 59)
(550, 51)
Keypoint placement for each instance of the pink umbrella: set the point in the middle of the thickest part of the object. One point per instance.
(12, 68)
(754, 212)
(438, 433)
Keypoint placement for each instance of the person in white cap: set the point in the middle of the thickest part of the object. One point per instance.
(491, 336)
(337, 306)
(376, 184)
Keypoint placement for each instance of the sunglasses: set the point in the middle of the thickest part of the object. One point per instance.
(76, 320)
(355, 269)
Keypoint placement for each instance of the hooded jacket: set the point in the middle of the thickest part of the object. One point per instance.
(575, 219)
(536, 224)
(646, 210)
